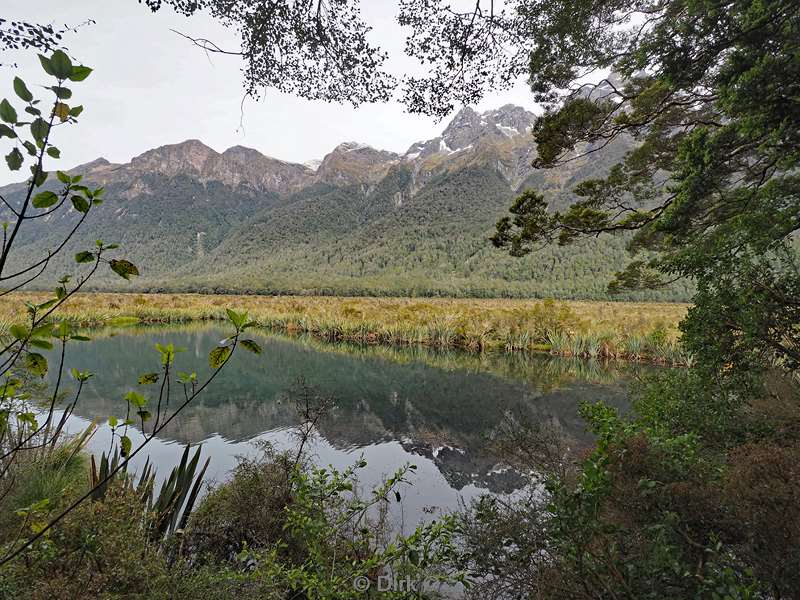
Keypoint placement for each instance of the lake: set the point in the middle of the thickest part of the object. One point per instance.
(392, 406)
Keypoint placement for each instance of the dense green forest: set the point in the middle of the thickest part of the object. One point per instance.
(390, 237)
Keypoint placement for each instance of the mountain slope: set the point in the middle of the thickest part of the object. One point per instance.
(362, 221)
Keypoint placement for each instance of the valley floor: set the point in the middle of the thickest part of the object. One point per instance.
(631, 330)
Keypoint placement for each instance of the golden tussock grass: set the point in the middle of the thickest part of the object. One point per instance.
(632, 330)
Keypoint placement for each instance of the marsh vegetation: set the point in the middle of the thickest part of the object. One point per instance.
(598, 330)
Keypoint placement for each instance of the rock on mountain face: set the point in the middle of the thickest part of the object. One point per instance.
(235, 167)
(500, 138)
(469, 128)
(354, 163)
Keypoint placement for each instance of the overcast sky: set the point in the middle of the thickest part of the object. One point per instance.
(151, 87)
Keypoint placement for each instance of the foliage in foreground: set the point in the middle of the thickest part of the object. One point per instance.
(695, 496)
(275, 529)
(33, 415)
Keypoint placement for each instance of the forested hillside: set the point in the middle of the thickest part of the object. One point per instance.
(365, 221)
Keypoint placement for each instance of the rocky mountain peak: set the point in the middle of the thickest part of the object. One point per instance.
(238, 165)
(99, 169)
(510, 119)
(352, 162)
(462, 130)
(313, 164)
(172, 159)
(98, 164)
(469, 128)
(361, 149)
(243, 153)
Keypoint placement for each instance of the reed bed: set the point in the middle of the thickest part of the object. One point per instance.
(602, 330)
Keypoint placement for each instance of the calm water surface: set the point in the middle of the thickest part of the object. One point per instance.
(392, 406)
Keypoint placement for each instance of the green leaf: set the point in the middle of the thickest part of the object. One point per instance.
(7, 112)
(44, 330)
(46, 64)
(79, 73)
(6, 131)
(237, 318)
(62, 93)
(148, 378)
(39, 129)
(218, 356)
(136, 399)
(80, 375)
(44, 344)
(186, 377)
(32, 509)
(80, 338)
(61, 65)
(33, 111)
(63, 177)
(39, 176)
(18, 331)
(46, 305)
(54, 152)
(144, 415)
(125, 445)
(44, 199)
(22, 90)
(113, 422)
(14, 159)
(62, 330)
(84, 257)
(123, 268)
(27, 417)
(29, 147)
(36, 364)
(75, 111)
(80, 203)
(251, 346)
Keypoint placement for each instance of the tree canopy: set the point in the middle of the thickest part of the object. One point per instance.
(708, 91)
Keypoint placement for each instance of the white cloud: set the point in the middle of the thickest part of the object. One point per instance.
(151, 87)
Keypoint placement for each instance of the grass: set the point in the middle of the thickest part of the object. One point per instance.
(607, 330)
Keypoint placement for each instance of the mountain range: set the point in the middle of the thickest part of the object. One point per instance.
(360, 221)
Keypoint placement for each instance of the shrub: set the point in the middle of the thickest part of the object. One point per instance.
(98, 548)
(247, 511)
(763, 488)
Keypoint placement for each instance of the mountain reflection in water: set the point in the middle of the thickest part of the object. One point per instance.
(393, 405)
